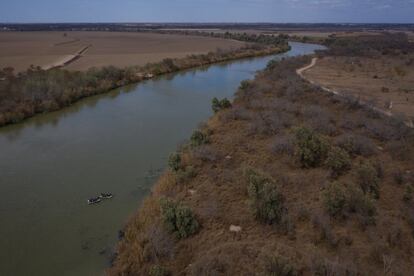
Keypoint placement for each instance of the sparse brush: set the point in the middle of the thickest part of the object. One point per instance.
(158, 270)
(335, 199)
(279, 266)
(356, 144)
(367, 178)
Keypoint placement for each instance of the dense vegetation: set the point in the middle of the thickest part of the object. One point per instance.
(314, 184)
(36, 91)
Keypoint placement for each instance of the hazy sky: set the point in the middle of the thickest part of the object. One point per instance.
(391, 11)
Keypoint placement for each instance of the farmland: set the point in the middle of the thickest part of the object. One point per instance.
(22, 49)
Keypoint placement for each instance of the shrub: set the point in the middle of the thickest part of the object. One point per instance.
(244, 84)
(279, 266)
(338, 161)
(340, 200)
(311, 148)
(218, 105)
(367, 178)
(174, 162)
(178, 219)
(266, 201)
(356, 144)
(158, 270)
(358, 202)
(335, 199)
(199, 138)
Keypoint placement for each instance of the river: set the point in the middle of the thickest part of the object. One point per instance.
(117, 142)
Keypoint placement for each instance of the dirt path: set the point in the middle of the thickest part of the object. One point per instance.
(300, 72)
(66, 60)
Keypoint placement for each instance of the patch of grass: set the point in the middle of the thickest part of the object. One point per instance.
(311, 148)
(279, 266)
(265, 198)
(178, 219)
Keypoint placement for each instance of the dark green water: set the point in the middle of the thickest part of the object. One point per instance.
(117, 142)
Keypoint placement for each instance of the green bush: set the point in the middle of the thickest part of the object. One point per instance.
(198, 138)
(158, 270)
(178, 219)
(174, 162)
(218, 105)
(266, 201)
(311, 148)
(335, 199)
(338, 161)
(244, 84)
(367, 177)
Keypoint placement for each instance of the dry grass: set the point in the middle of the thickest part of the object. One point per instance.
(307, 240)
(22, 49)
(380, 80)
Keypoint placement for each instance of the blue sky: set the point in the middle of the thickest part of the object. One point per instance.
(279, 11)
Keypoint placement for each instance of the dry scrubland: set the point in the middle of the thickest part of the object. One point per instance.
(380, 72)
(313, 184)
(22, 49)
(382, 81)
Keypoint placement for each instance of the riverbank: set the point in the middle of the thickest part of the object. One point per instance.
(289, 178)
(38, 91)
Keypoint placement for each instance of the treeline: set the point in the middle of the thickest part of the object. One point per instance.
(370, 45)
(268, 39)
(36, 91)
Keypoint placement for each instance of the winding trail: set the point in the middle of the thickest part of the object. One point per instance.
(301, 70)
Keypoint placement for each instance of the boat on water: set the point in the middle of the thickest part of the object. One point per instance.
(106, 196)
(94, 200)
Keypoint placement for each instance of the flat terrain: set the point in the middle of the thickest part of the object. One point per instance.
(379, 80)
(21, 49)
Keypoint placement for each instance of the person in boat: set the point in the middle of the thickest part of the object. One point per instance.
(94, 200)
(106, 195)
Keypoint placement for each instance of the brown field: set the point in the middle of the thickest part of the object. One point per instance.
(378, 80)
(21, 49)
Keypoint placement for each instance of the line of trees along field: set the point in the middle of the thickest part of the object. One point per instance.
(36, 91)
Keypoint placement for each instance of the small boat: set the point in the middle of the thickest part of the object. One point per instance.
(106, 196)
(94, 200)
